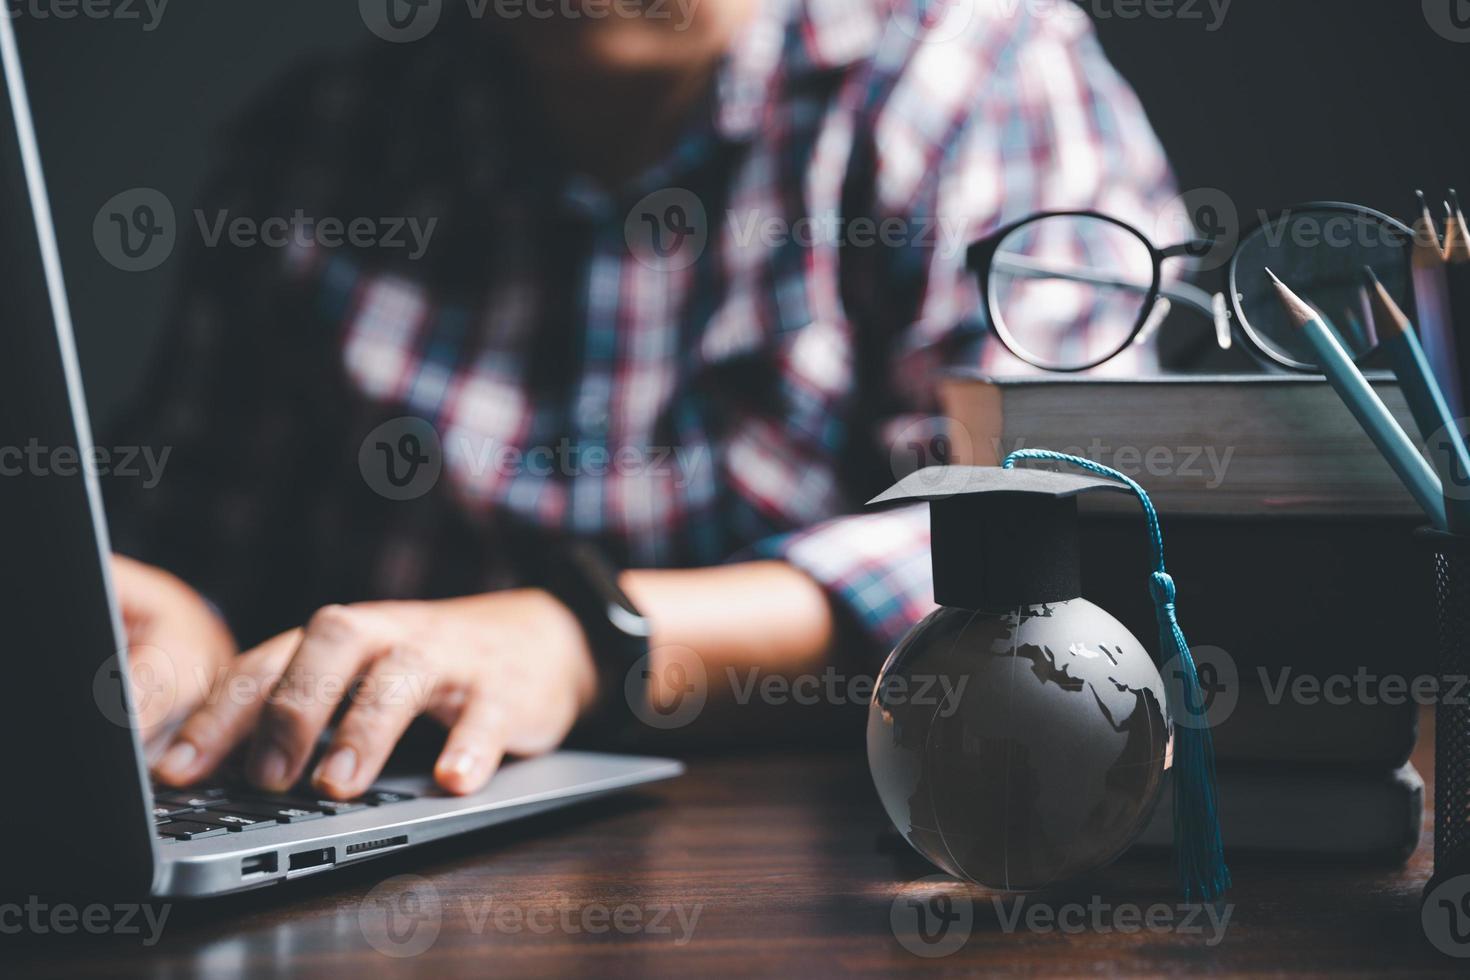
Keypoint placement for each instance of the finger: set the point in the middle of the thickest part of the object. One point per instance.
(228, 715)
(475, 747)
(395, 690)
(337, 643)
(161, 691)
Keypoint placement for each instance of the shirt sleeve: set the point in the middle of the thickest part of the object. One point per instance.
(1036, 119)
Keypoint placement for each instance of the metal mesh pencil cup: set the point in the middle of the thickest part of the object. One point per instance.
(1451, 555)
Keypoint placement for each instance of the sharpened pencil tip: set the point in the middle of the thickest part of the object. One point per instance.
(1295, 305)
(1388, 316)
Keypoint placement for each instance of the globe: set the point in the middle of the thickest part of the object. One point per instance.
(1019, 750)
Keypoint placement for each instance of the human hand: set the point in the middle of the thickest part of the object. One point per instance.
(508, 672)
(177, 644)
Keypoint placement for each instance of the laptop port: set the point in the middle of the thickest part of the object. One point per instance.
(362, 847)
(321, 857)
(258, 864)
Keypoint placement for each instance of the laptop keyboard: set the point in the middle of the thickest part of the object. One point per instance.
(214, 811)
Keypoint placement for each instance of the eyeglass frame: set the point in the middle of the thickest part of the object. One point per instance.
(1225, 312)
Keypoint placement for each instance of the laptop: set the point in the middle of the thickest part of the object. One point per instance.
(80, 816)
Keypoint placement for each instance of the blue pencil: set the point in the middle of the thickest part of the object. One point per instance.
(1432, 414)
(1368, 408)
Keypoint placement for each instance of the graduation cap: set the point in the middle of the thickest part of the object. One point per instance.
(1001, 538)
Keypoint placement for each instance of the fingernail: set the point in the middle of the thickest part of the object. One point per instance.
(269, 766)
(339, 767)
(459, 763)
(179, 758)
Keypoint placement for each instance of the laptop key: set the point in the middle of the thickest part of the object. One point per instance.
(335, 807)
(164, 811)
(189, 830)
(272, 811)
(193, 800)
(232, 821)
(379, 797)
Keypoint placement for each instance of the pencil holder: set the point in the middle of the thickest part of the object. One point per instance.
(1452, 709)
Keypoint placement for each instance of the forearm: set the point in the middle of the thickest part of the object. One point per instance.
(743, 623)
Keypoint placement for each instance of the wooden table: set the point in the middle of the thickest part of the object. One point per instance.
(749, 866)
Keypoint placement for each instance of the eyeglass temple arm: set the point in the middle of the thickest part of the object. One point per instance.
(1213, 306)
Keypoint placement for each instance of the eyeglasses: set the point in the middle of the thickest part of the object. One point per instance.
(1068, 291)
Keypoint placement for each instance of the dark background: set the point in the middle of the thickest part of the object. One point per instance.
(1288, 101)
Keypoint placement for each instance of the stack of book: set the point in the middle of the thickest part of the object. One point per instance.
(1301, 587)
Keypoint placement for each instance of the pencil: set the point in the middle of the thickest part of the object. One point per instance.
(1442, 436)
(1432, 308)
(1457, 286)
(1368, 408)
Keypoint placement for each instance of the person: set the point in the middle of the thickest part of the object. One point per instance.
(688, 287)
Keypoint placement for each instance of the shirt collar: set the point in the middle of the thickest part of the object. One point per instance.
(789, 40)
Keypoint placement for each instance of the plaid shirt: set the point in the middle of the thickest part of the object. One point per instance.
(708, 364)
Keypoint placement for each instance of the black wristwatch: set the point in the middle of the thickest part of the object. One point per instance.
(583, 579)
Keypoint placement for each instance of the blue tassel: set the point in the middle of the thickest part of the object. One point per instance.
(1198, 850)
